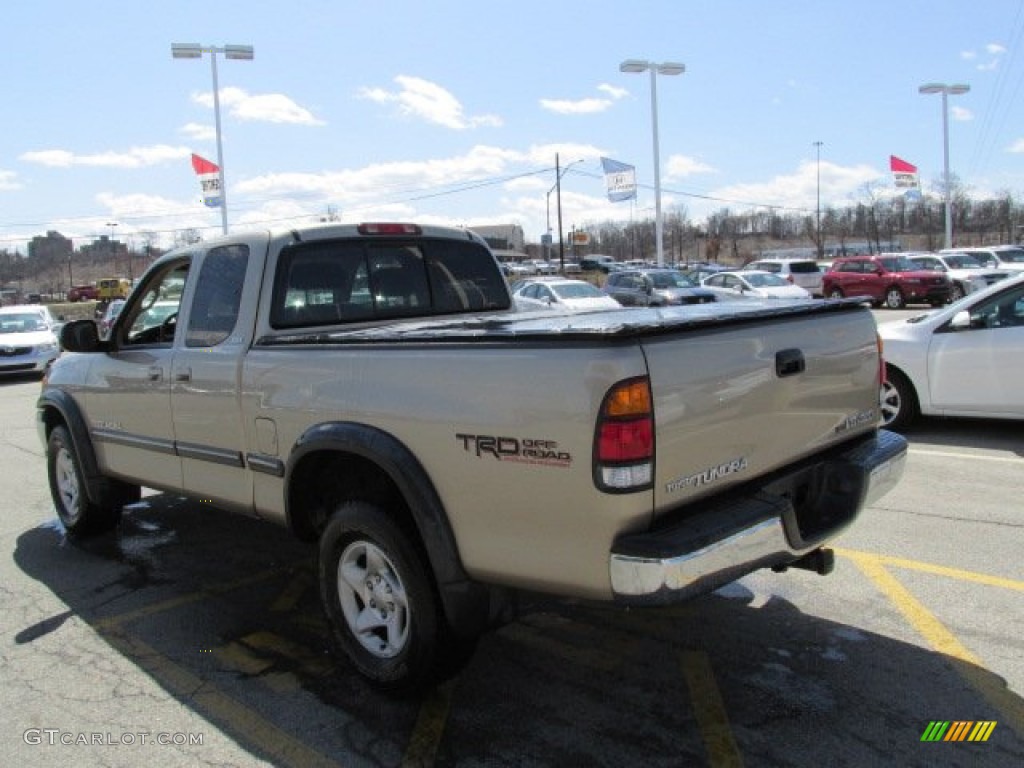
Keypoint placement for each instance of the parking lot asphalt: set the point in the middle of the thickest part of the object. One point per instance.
(194, 637)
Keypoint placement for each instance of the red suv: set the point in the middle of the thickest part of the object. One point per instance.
(889, 279)
(83, 293)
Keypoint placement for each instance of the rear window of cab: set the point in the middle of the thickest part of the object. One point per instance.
(347, 281)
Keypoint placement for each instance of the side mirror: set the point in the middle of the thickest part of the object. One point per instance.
(961, 321)
(80, 336)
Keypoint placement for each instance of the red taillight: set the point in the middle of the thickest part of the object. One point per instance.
(388, 228)
(624, 439)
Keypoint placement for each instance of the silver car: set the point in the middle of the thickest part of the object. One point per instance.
(28, 343)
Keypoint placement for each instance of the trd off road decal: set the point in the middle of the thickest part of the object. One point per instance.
(521, 450)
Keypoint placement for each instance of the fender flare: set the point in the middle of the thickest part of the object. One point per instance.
(466, 603)
(71, 415)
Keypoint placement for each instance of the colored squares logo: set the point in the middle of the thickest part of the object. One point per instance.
(958, 730)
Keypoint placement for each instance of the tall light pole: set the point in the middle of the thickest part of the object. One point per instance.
(196, 51)
(113, 250)
(665, 68)
(559, 173)
(955, 89)
(820, 244)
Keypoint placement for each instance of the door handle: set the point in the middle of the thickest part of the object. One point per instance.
(155, 373)
(183, 374)
(789, 362)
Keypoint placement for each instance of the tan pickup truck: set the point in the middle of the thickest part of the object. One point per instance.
(371, 388)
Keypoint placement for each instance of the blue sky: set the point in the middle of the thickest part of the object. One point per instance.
(453, 112)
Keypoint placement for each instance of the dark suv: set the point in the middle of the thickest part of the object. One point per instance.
(655, 288)
(892, 280)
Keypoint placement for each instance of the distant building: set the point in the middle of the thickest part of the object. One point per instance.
(53, 247)
(505, 237)
(103, 246)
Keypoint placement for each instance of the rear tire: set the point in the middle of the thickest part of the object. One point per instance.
(899, 404)
(80, 515)
(381, 605)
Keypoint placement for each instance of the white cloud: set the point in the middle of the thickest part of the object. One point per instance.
(428, 101)
(199, 132)
(262, 108)
(9, 181)
(1017, 147)
(961, 114)
(839, 184)
(680, 167)
(994, 51)
(579, 107)
(586, 106)
(613, 90)
(135, 157)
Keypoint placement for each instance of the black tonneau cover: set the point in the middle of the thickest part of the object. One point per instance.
(604, 324)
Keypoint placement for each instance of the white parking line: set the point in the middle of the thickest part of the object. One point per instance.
(971, 456)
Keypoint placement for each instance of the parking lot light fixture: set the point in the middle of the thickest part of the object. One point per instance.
(956, 89)
(196, 51)
(636, 66)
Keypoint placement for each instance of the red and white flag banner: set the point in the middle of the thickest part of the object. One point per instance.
(209, 179)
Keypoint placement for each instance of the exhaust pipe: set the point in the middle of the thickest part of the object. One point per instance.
(822, 561)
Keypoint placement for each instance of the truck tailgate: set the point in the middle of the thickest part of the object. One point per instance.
(737, 401)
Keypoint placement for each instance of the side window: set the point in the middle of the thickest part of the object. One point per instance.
(218, 296)
(1003, 311)
(151, 320)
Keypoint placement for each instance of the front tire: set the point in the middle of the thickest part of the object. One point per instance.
(77, 512)
(378, 594)
(835, 293)
(894, 298)
(899, 404)
(956, 293)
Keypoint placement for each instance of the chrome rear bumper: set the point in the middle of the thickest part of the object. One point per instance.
(699, 550)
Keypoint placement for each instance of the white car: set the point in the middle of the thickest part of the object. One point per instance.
(803, 272)
(753, 284)
(568, 295)
(965, 272)
(966, 359)
(1007, 257)
(28, 342)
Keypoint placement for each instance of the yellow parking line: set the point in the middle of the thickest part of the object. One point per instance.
(430, 724)
(992, 688)
(938, 570)
(243, 723)
(709, 709)
(292, 593)
(176, 602)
